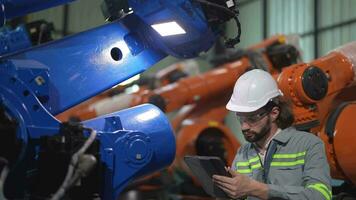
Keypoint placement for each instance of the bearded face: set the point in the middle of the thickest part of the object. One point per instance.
(259, 131)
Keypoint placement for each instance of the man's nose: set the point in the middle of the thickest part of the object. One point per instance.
(244, 126)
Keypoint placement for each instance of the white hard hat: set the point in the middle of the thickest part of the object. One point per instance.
(252, 91)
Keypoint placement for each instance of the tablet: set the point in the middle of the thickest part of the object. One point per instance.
(204, 167)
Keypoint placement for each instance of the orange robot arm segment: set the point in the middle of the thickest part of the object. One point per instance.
(323, 97)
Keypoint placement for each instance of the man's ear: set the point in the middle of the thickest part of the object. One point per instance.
(274, 113)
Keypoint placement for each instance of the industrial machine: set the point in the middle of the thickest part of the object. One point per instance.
(42, 157)
(199, 101)
(200, 91)
(322, 95)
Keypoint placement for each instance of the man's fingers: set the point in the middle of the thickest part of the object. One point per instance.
(225, 185)
(224, 179)
(226, 189)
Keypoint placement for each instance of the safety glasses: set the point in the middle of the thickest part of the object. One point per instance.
(252, 119)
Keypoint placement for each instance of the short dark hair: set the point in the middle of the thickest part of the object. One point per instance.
(285, 118)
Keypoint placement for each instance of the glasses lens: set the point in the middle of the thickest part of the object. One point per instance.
(252, 119)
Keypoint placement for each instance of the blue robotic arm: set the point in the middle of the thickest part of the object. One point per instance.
(40, 82)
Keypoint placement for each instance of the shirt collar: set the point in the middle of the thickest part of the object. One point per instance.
(274, 136)
(284, 135)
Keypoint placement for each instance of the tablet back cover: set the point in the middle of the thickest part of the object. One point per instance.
(203, 168)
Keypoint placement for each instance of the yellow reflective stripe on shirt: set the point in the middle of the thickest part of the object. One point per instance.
(323, 189)
(290, 155)
(244, 171)
(247, 163)
(256, 166)
(287, 164)
(249, 170)
(254, 159)
(242, 164)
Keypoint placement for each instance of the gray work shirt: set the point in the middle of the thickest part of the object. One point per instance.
(298, 167)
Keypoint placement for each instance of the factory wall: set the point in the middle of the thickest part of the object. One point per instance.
(72, 18)
(321, 24)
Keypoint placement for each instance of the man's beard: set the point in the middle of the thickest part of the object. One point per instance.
(253, 136)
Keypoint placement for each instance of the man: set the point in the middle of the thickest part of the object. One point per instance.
(278, 162)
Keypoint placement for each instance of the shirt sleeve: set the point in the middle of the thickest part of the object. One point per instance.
(316, 178)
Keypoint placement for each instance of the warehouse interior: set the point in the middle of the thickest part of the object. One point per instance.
(94, 104)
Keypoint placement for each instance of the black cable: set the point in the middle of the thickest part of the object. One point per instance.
(229, 43)
(73, 166)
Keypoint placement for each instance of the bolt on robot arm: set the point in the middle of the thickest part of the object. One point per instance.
(40, 82)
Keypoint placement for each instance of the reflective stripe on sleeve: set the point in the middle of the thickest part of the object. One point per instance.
(322, 188)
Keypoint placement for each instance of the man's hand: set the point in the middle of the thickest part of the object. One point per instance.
(240, 185)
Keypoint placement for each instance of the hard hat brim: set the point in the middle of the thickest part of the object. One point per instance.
(243, 109)
(246, 109)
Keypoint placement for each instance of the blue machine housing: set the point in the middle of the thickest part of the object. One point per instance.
(13, 40)
(129, 151)
(40, 82)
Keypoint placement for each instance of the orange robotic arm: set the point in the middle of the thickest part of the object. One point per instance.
(324, 102)
(220, 81)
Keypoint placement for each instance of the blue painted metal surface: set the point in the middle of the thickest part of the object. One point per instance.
(82, 65)
(15, 8)
(13, 40)
(40, 82)
(134, 142)
(80, 69)
(19, 94)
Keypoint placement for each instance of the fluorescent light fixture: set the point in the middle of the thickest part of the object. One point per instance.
(168, 28)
